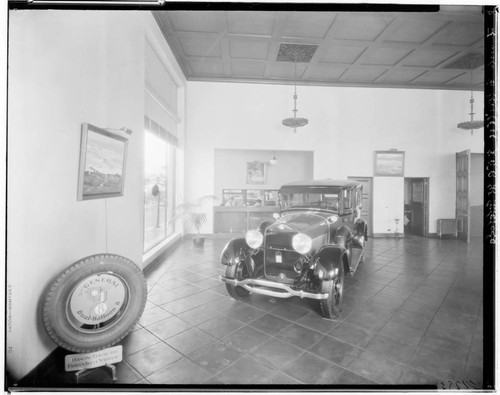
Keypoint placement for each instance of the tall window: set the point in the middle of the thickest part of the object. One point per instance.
(160, 145)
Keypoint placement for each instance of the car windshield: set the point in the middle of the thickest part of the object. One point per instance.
(326, 201)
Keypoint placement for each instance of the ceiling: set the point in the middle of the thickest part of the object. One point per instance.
(426, 50)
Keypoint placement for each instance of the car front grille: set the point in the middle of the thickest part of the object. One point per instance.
(279, 240)
(280, 271)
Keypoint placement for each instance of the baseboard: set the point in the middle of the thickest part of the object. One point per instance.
(388, 235)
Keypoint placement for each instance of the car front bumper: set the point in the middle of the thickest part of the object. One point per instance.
(271, 288)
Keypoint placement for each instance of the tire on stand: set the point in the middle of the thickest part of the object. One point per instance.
(236, 271)
(94, 303)
(332, 306)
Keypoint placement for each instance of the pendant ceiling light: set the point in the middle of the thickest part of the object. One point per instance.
(472, 124)
(295, 122)
(274, 160)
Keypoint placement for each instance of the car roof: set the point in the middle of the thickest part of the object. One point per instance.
(324, 183)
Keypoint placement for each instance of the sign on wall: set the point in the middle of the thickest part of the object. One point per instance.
(389, 164)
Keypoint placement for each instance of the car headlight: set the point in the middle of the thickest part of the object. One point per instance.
(302, 243)
(254, 238)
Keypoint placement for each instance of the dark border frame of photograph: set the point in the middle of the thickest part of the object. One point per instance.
(389, 163)
(96, 184)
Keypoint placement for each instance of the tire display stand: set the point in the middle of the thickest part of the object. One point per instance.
(90, 307)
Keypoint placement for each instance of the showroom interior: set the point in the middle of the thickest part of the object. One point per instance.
(199, 98)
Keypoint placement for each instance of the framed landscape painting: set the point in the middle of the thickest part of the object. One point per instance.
(103, 156)
(256, 173)
(389, 164)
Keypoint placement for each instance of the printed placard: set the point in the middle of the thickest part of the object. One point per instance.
(93, 359)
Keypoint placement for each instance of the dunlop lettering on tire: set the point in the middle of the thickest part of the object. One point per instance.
(94, 303)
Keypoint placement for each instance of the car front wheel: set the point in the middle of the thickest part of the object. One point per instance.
(331, 307)
(236, 271)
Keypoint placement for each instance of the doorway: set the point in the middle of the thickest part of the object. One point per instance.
(416, 206)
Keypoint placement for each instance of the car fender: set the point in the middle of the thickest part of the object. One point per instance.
(234, 249)
(263, 225)
(331, 257)
(360, 232)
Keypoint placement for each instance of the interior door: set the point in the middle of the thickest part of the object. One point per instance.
(462, 198)
(419, 206)
(366, 211)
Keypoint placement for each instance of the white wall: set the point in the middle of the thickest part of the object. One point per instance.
(345, 126)
(66, 68)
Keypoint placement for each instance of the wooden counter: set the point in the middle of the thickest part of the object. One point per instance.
(239, 219)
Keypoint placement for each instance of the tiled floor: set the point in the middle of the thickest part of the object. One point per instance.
(412, 314)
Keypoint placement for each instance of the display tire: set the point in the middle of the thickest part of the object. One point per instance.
(70, 331)
(332, 306)
(236, 292)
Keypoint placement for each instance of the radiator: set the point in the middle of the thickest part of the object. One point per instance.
(447, 227)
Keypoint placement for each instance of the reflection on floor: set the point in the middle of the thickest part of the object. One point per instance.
(412, 314)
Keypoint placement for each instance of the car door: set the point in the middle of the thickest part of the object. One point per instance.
(348, 215)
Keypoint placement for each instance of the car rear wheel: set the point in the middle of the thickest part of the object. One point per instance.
(236, 271)
(331, 307)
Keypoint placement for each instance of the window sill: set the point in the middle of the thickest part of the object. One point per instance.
(159, 249)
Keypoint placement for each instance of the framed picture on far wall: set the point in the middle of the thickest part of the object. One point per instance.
(103, 156)
(256, 173)
(389, 164)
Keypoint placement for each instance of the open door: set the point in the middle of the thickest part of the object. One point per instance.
(416, 208)
(462, 199)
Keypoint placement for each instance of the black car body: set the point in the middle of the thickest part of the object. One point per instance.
(318, 236)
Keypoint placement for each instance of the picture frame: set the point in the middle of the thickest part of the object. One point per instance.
(389, 163)
(103, 158)
(256, 172)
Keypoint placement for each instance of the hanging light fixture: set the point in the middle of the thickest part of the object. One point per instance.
(472, 124)
(295, 122)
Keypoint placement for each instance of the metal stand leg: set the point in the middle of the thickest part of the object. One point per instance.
(84, 372)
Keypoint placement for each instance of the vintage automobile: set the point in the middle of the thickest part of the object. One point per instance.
(316, 238)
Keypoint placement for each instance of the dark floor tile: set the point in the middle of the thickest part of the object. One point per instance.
(402, 332)
(179, 306)
(299, 336)
(279, 378)
(245, 339)
(246, 313)
(336, 351)
(412, 376)
(137, 341)
(198, 315)
(187, 290)
(436, 362)
(414, 320)
(181, 372)
(245, 370)
(349, 378)
(170, 283)
(391, 348)
(126, 374)
(277, 353)
(309, 369)
(169, 327)
(153, 315)
(370, 320)
(203, 297)
(215, 357)
(317, 322)
(220, 326)
(153, 359)
(190, 341)
(378, 369)
(163, 297)
(223, 305)
(270, 324)
(289, 311)
(352, 334)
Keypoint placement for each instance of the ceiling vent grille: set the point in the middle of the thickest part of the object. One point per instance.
(301, 53)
